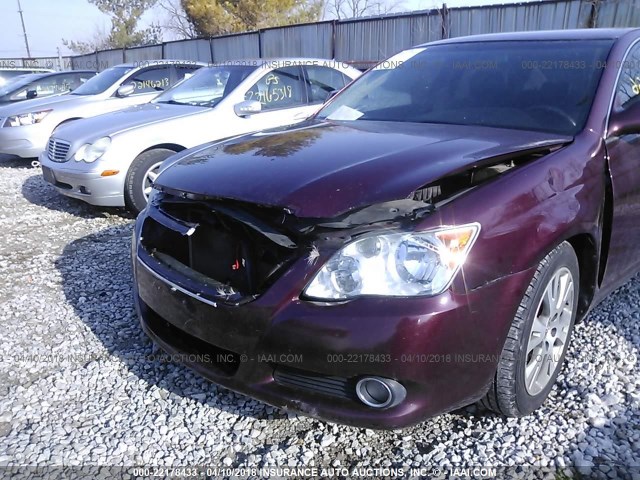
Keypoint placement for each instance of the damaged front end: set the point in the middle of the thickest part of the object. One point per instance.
(230, 252)
(220, 252)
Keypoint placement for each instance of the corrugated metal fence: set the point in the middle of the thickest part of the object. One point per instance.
(366, 40)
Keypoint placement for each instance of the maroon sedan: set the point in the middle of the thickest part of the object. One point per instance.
(425, 241)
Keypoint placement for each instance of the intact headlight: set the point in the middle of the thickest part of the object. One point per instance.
(25, 119)
(90, 152)
(396, 264)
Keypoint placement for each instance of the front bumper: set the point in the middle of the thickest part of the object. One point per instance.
(26, 142)
(444, 350)
(88, 185)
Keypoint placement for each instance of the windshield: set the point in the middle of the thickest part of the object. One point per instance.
(529, 85)
(101, 82)
(207, 87)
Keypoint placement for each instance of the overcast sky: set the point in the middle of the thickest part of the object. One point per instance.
(48, 22)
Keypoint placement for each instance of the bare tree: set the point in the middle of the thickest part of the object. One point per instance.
(98, 41)
(340, 9)
(176, 20)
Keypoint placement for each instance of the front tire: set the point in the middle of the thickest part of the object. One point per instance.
(140, 177)
(537, 342)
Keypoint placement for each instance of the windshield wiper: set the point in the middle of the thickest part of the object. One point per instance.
(171, 102)
(206, 103)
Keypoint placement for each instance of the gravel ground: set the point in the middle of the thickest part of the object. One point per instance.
(80, 384)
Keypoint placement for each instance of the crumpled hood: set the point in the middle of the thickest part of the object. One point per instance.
(114, 123)
(323, 169)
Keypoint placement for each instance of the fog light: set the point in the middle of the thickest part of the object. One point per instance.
(377, 392)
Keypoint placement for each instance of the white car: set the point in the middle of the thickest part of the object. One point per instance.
(111, 160)
(26, 126)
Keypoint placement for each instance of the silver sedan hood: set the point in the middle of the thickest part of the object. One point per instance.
(114, 123)
(37, 104)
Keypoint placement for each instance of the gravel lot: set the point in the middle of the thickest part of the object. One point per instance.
(80, 384)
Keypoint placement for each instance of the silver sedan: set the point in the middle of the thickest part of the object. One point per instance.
(25, 127)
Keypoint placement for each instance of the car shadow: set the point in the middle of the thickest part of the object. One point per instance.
(38, 192)
(12, 161)
(98, 283)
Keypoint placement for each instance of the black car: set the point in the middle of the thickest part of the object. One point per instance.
(39, 85)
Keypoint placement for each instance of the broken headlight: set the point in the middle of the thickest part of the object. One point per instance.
(396, 264)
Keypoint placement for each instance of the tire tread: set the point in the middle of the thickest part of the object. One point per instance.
(501, 397)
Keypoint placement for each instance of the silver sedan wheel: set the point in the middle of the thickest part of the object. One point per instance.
(149, 178)
(549, 331)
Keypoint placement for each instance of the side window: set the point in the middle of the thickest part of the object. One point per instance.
(628, 88)
(62, 84)
(155, 79)
(321, 81)
(44, 88)
(280, 88)
(20, 94)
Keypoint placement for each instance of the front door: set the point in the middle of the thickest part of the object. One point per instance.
(624, 164)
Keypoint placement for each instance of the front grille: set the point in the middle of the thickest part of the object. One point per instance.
(227, 258)
(57, 150)
(327, 385)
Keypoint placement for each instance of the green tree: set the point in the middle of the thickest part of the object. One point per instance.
(217, 17)
(124, 15)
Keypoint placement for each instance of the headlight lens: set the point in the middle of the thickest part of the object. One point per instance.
(26, 119)
(396, 264)
(90, 152)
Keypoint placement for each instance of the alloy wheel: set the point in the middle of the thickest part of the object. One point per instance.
(549, 331)
(149, 178)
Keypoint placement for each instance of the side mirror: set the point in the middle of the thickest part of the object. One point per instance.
(31, 94)
(126, 90)
(625, 122)
(246, 108)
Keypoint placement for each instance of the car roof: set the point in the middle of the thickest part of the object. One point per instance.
(25, 69)
(53, 74)
(151, 63)
(258, 62)
(571, 34)
(37, 76)
(63, 72)
(31, 76)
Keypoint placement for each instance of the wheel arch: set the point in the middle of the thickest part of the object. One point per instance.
(585, 247)
(168, 146)
(67, 121)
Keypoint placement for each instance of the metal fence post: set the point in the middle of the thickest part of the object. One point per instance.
(333, 39)
(444, 17)
(593, 15)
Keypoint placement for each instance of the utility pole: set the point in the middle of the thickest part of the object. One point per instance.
(24, 30)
